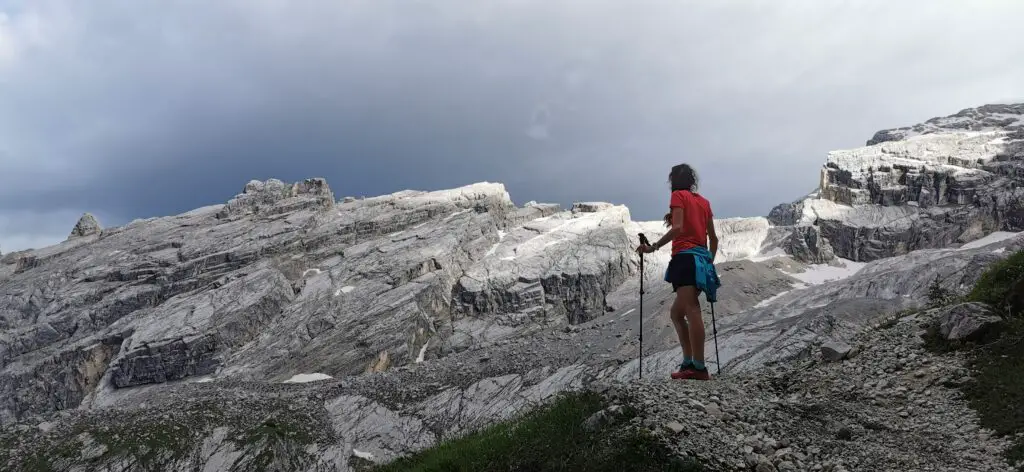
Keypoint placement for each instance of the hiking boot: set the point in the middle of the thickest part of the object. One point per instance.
(684, 371)
(693, 373)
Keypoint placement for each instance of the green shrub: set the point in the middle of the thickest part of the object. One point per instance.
(551, 438)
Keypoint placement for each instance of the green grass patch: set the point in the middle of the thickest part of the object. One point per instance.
(994, 285)
(551, 438)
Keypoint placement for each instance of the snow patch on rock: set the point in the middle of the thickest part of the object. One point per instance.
(345, 289)
(772, 299)
(992, 238)
(362, 455)
(423, 353)
(304, 378)
(823, 273)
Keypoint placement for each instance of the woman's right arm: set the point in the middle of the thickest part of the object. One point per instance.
(677, 226)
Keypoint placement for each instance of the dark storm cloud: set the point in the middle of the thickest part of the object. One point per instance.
(137, 109)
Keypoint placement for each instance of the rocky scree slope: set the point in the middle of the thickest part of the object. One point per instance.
(881, 402)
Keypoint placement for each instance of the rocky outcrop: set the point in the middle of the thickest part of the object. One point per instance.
(803, 243)
(948, 181)
(967, 322)
(275, 197)
(87, 226)
(787, 214)
(559, 266)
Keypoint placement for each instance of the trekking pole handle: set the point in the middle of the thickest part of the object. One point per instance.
(643, 240)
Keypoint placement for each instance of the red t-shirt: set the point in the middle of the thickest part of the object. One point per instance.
(696, 213)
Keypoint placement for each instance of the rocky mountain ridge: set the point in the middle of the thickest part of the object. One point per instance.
(947, 181)
(420, 315)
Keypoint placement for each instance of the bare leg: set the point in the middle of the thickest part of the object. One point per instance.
(678, 316)
(691, 308)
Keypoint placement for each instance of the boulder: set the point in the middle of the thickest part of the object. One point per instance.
(834, 351)
(968, 322)
(603, 418)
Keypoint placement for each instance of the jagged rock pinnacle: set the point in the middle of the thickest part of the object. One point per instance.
(87, 225)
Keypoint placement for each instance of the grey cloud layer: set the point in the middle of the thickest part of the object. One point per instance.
(137, 109)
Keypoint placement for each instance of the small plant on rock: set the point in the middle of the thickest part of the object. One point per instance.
(939, 296)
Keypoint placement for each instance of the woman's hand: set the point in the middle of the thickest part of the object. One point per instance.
(645, 249)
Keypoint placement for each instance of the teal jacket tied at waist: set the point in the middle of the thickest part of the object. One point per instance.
(706, 277)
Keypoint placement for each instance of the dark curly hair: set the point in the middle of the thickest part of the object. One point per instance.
(683, 177)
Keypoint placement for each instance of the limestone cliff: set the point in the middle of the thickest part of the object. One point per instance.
(947, 181)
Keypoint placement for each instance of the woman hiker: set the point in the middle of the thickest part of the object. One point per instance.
(691, 270)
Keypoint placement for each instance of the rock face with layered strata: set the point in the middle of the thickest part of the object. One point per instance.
(283, 279)
(947, 181)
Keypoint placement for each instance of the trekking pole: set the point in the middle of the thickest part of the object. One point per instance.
(714, 329)
(640, 365)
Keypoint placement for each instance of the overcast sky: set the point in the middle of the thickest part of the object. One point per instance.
(133, 109)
